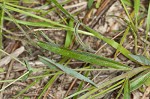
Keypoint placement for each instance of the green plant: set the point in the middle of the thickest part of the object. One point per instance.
(131, 78)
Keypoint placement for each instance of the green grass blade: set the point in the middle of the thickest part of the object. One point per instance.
(141, 59)
(69, 35)
(79, 40)
(112, 43)
(1, 26)
(120, 91)
(36, 24)
(70, 71)
(32, 15)
(46, 37)
(48, 85)
(111, 88)
(127, 2)
(84, 56)
(148, 21)
(122, 40)
(46, 62)
(19, 78)
(136, 11)
(147, 24)
(81, 84)
(139, 81)
(126, 89)
(30, 69)
(62, 9)
(147, 82)
(133, 27)
(26, 89)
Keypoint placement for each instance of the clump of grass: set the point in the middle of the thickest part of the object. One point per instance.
(131, 79)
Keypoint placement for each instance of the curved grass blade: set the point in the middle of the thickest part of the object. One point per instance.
(85, 46)
(141, 59)
(139, 81)
(126, 89)
(83, 56)
(69, 71)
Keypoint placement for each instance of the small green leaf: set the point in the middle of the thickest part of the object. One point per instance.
(69, 71)
(141, 59)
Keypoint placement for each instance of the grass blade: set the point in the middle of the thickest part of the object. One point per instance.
(111, 88)
(122, 41)
(62, 9)
(48, 85)
(141, 59)
(32, 15)
(69, 35)
(136, 11)
(147, 25)
(112, 43)
(131, 24)
(127, 2)
(27, 88)
(70, 71)
(84, 56)
(1, 26)
(126, 89)
(139, 81)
